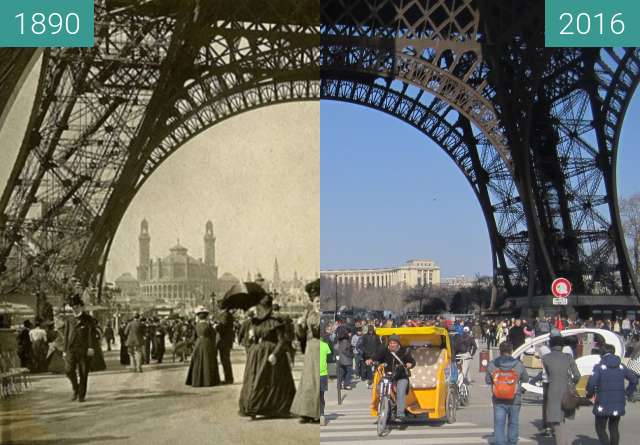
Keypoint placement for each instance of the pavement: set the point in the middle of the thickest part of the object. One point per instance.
(152, 407)
(351, 422)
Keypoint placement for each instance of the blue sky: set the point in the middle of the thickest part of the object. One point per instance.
(389, 194)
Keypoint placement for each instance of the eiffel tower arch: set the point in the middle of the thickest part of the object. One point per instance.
(534, 130)
(106, 117)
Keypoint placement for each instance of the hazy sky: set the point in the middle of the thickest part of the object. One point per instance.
(255, 176)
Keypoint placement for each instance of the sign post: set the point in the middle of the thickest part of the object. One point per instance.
(561, 289)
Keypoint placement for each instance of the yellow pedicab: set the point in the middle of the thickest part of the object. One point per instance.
(432, 389)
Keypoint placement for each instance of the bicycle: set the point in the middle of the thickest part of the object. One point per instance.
(386, 404)
(462, 384)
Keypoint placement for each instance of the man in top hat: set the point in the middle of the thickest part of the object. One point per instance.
(79, 332)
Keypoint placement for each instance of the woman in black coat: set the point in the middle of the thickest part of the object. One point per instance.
(268, 388)
(606, 387)
(203, 369)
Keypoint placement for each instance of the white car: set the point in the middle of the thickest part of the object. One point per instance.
(585, 363)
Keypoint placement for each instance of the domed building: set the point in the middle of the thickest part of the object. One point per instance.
(177, 279)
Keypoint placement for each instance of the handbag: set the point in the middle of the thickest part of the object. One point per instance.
(571, 400)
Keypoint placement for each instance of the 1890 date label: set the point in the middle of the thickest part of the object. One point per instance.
(46, 23)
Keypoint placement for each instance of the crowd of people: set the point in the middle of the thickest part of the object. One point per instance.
(355, 346)
(73, 344)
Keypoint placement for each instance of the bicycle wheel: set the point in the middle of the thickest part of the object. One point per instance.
(463, 391)
(384, 414)
(451, 405)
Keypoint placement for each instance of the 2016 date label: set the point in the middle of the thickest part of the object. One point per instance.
(592, 23)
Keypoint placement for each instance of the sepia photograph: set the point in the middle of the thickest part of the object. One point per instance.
(160, 228)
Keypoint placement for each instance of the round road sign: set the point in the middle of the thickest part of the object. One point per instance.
(561, 288)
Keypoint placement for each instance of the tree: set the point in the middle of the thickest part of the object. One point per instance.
(630, 215)
(460, 303)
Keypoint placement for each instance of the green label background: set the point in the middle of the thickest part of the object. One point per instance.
(630, 10)
(10, 25)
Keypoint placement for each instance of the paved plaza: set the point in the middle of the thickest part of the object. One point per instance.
(352, 424)
(154, 407)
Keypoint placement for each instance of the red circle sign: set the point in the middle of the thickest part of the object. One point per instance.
(561, 288)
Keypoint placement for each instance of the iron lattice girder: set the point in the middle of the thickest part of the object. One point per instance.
(434, 121)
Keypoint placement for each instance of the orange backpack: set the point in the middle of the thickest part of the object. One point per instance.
(505, 384)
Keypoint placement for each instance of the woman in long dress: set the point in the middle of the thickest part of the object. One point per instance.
(267, 388)
(203, 369)
(124, 351)
(306, 403)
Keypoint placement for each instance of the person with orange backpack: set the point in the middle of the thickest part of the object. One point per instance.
(505, 374)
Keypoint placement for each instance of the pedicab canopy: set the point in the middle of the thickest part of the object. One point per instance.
(420, 336)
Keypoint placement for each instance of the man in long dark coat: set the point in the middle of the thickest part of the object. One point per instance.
(224, 327)
(79, 332)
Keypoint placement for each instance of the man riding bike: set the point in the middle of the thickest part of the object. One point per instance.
(398, 361)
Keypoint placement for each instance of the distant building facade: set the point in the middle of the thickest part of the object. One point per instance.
(458, 281)
(414, 273)
(177, 279)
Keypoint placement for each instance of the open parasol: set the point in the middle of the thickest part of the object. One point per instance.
(242, 296)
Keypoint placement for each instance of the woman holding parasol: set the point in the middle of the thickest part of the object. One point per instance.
(268, 388)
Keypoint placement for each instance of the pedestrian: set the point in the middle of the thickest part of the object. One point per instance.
(344, 355)
(79, 335)
(370, 344)
(357, 353)
(147, 336)
(159, 345)
(606, 387)
(268, 388)
(109, 337)
(24, 348)
(134, 333)
(39, 346)
(560, 369)
(55, 355)
(224, 328)
(203, 369)
(505, 374)
(325, 352)
(398, 361)
(306, 404)
(124, 353)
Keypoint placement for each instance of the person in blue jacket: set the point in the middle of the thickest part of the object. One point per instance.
(606, 388)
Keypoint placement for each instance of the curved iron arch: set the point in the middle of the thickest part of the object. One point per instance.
(489, 177)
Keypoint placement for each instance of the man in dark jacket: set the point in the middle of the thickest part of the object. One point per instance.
(224, 327)
(369, 345)
(506, 412)
(79, 332)
(344, 355)
(398, 361)
(607, 388)
(516, 335)
(109, 336)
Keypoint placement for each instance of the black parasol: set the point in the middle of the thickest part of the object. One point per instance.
(242, 296)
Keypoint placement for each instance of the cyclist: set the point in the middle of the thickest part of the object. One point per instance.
(465, 349)
(398, 361)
